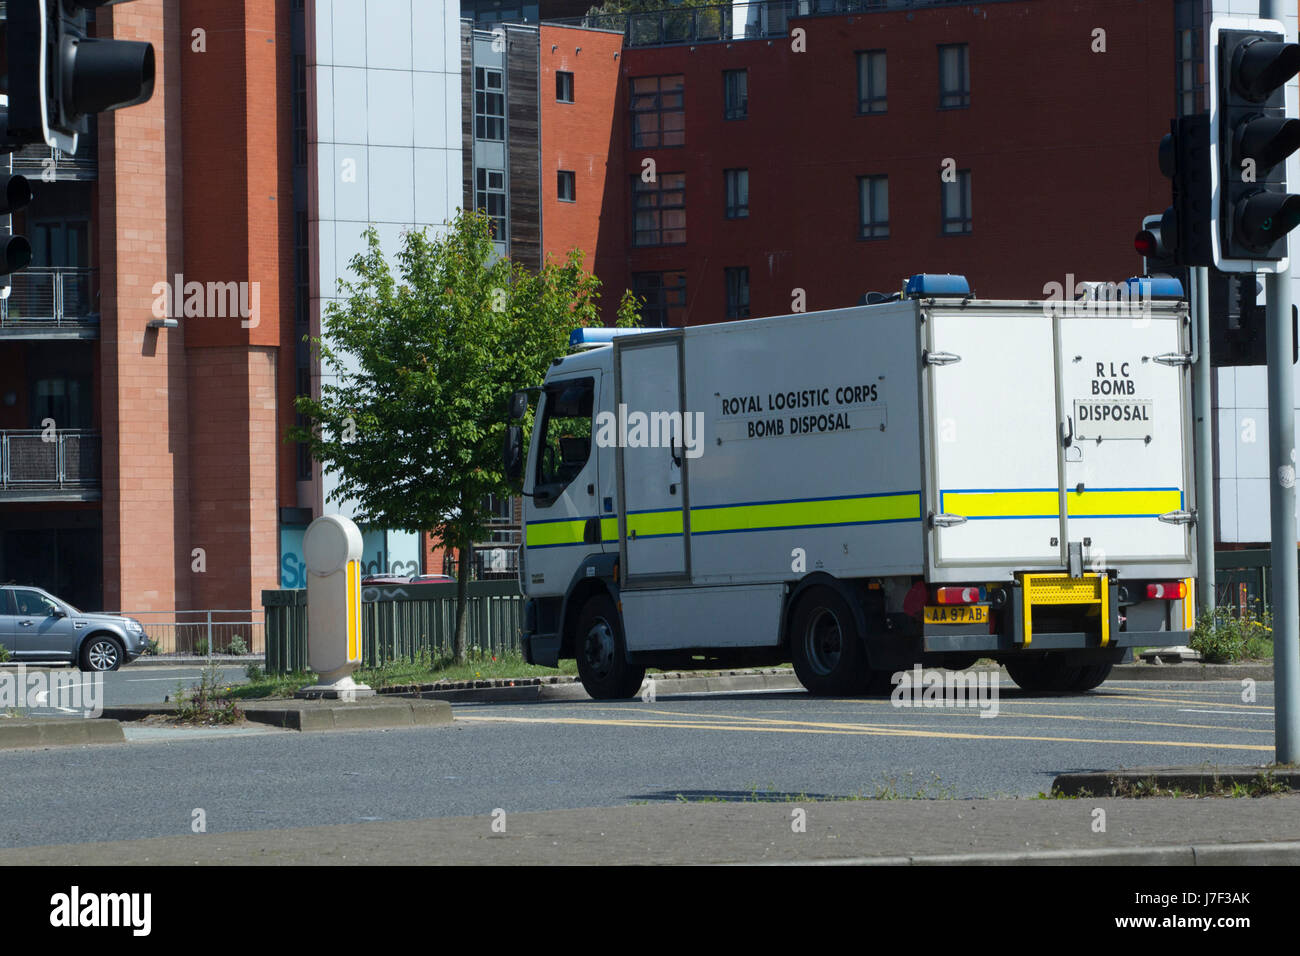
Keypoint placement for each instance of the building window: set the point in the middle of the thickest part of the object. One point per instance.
(954, 76)
(663, 296)
(738, 292)
(659, 210)
(873, 207)
(300, 109)
(489, 104)
(735, 86)
(956, 205)
(490, 197)
(658, 112)
(563, 87)
(565, 186)
(737, 193)
(1189, 71)
(871, 81)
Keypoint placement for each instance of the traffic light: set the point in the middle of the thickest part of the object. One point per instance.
(1158, 258)
(1251, 135)
(59, 76)
(1185, 159)
(1238, 332)
(15, 193)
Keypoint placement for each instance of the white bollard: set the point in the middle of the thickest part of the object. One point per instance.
(332, 550)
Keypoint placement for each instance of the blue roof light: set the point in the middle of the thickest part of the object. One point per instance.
(927, 285)
(587, 338)
(1158, 287)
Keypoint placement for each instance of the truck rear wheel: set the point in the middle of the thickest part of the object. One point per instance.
(1091, 676)
(830, 656)
(601, 651)
(1050, 673)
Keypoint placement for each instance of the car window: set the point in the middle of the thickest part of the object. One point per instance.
(33, 603)
(6, 602)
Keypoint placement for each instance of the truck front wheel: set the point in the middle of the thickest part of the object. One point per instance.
(830, 657)
(601, 650)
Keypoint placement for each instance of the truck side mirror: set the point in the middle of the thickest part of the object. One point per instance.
(513, 452)
(518, 405)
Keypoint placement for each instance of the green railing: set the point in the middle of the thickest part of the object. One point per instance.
(1242, 579)
(398, 621)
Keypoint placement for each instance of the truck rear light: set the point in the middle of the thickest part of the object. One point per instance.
(959, 595)
(1167, 591)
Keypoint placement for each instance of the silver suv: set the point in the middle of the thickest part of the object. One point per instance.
(37, 627)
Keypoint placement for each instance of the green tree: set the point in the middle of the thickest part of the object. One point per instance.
(412, 422)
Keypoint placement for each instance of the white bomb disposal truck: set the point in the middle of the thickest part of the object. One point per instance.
(932, 479)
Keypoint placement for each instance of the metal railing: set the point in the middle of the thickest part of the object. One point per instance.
(39, 161)
(397, 622)
(51, 298)
(207, 633)
(39, 459)
(738, 21)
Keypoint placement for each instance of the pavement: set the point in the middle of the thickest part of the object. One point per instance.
(909, 832)
(376, 713)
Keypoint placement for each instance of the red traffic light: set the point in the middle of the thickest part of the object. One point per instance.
(1146, 243)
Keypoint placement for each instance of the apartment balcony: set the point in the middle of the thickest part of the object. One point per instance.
(51, 304)
(736, 21)
(43, 465)
(41, 163)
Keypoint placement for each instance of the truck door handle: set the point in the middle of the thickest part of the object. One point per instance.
(1178, 517)
(1067, 431)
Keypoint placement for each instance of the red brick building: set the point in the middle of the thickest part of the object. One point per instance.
(1048, 127)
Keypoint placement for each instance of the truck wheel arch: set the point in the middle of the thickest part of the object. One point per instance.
(845, 589)
(580, 589)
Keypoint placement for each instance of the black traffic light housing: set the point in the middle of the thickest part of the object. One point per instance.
(1253, 137)
(1185, 159)
(59, 76)
(1156, 250)
(1238, 330)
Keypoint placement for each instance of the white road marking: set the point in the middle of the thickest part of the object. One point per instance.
(1229, 713)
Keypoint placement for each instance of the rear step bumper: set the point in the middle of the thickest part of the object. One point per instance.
(951, 641)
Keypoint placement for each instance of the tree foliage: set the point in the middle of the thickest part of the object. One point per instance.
(417, 371)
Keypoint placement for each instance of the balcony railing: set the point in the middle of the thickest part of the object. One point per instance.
(737, 21)
(42, 460)
(41, 162)
(51, 298)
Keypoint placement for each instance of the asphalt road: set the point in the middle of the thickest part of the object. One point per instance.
(135, 685)
(547, 756)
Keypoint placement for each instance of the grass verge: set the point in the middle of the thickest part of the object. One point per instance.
(423, 670)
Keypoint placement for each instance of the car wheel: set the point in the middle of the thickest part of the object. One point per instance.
(101, 653)
(603, 666)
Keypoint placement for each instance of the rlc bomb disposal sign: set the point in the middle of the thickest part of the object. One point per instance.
(1113, 406)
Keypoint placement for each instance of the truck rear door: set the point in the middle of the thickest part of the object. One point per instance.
(995, 483)
(1126, 470)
